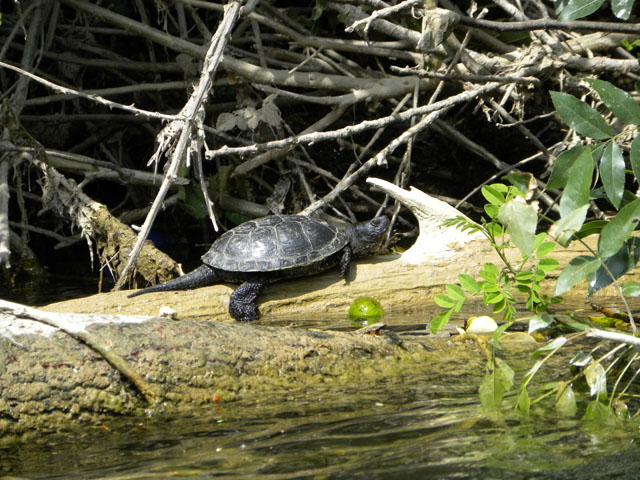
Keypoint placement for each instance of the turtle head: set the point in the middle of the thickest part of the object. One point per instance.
(367, 235)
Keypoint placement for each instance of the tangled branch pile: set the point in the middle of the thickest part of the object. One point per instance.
(107, 109)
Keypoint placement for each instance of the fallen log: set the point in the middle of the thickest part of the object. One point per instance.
(404, 284)
(48, 381)
(52, 377)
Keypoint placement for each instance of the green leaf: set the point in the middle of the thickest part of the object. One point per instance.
(439, 321)
(631, 288)
(524, 182)
(496, 382)
(493, 195)
(548, 264)
(573, 9)
(494, 228)
(615, 233)
(521, 221)
(538, 322)
(581, 359)
(539, 240)
(599, 412)
(561, 166)
(490, 287)
(616, 265)
(545, 249)
(634, 156)
(491, 210)
(591, 228)
(523, 403)
(578, 269)
(499, 306)
(623, 106)
(580, 116)
(596, 378)
(468, 283)
(612, 172)
(622, 8)
(444, 301)
(524, 276)
(489, 272)
(576, 191)
(552, 345)
(455, 292)
(565, 228)
(493, 297)
(566, 405)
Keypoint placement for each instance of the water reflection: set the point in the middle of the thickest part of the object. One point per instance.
(421, 426)
(427, 426)
(50, 288)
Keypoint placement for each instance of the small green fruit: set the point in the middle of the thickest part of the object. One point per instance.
(367, 308)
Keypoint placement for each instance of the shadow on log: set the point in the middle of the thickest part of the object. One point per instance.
(50, 380)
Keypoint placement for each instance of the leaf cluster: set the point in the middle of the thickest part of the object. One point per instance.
(512, 220)
(572, 173)
(573, 9)
(511, 223)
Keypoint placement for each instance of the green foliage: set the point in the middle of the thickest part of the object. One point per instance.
(512, 221)
(574, 9)
(497, 381)
(573, 173)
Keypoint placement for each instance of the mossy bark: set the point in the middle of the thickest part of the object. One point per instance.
(52, 383)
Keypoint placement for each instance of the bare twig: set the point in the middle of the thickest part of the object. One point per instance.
(192, 115)
(354, 129)
(95, 98)
(614, 336)
(5, 250)
(549, 24)
(80, 334)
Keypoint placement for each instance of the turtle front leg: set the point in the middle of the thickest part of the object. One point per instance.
(345, 261)
(242, 304)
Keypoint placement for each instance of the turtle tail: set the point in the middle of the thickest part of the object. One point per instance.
(200, 277)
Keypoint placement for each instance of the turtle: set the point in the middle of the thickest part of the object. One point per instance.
(274, 247)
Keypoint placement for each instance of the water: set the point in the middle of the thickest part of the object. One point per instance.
(423, 425)
(426, 425)
(47, 288)
(417, 432)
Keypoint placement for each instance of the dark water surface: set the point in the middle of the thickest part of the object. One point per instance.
(425, 426)
(412, 430)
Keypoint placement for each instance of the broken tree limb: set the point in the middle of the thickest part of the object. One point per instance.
(79, 332)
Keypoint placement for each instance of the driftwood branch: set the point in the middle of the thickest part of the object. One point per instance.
(78, 331)
(177, 137)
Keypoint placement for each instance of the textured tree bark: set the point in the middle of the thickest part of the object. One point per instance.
(52, 382)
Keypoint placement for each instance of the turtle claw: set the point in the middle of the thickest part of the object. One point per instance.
(244, 312)
(242, 304)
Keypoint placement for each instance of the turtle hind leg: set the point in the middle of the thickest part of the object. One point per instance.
(242, 304)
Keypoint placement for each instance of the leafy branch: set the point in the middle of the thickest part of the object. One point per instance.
(513, 221)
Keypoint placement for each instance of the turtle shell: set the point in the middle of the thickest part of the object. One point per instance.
(276, 243)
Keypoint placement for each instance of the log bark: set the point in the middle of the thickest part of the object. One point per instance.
(51, 382)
